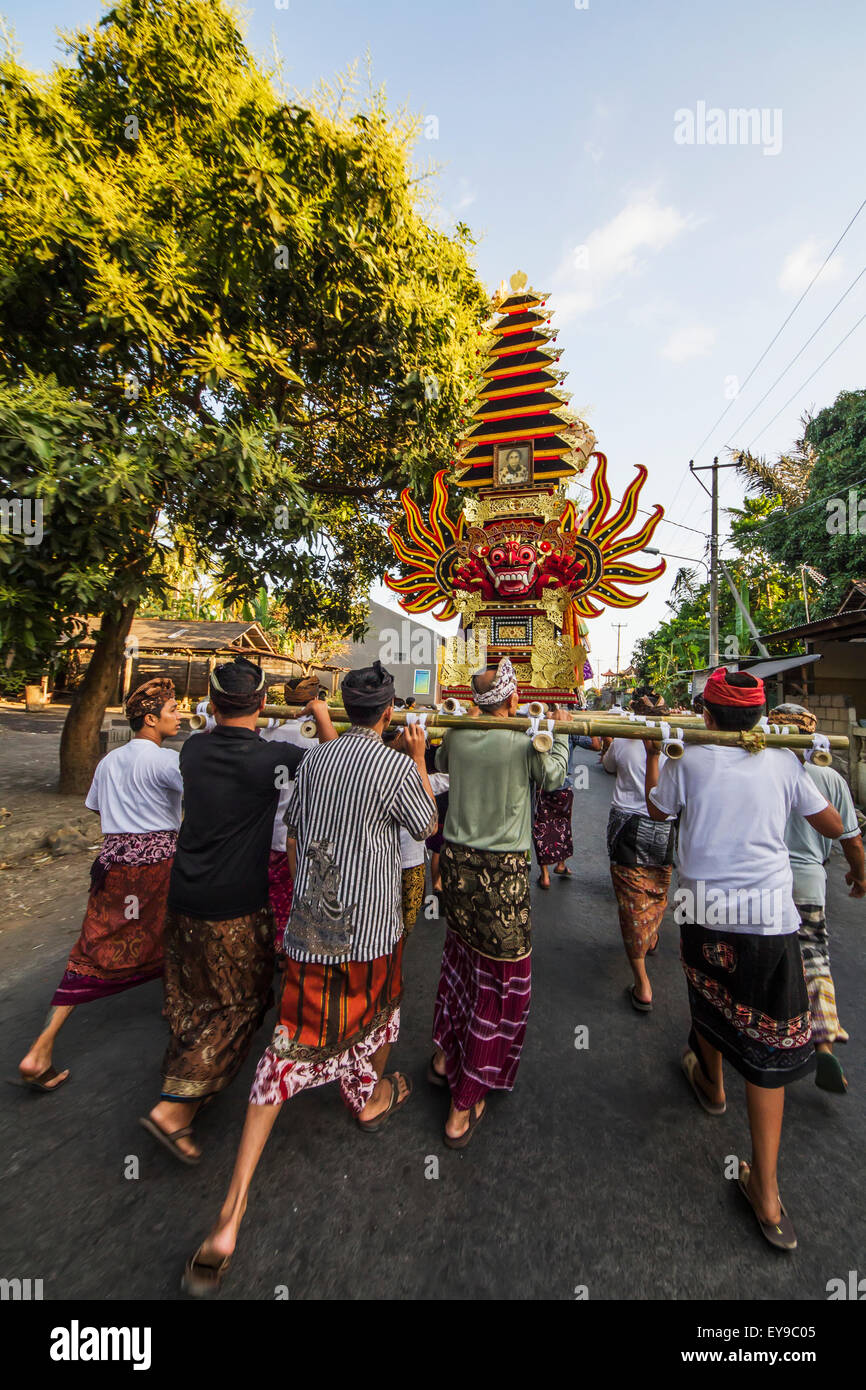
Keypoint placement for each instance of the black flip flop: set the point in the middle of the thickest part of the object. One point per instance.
(169, 1141)
(436, 1078)
(640, 1004)
(39, 1083)
(829, 1074)
(780, 1234)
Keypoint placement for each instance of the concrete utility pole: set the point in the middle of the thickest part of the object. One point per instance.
(619, 627)
(714, 550)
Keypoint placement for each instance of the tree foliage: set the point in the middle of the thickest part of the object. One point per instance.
(226, 325)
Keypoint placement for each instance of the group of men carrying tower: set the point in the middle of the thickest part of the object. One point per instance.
(190, 840)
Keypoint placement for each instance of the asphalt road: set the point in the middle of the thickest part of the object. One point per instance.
(600, 1170)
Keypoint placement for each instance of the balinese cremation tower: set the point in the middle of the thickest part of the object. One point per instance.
(522, 569)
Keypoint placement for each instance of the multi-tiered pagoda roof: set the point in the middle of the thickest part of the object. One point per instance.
(519, 399)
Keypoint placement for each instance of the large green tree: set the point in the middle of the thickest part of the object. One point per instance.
(227, 326)
(815, 493)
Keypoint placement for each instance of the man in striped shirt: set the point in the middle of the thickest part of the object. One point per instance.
(342, 984)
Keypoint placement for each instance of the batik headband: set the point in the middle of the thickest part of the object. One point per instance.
(504, 685)
(150, 698)
(795, 716)
(370, 688)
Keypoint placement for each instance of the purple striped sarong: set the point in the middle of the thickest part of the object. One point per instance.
(480, 1020)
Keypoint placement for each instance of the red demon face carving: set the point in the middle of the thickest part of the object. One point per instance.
(511, 566)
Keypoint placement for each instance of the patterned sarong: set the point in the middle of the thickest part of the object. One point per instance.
(551, 827)
(479, 1021)
(280, 886)
(121, 939)
(747, 996)
(333, 1019)
(815, 947)
(412, 893)
(218, 987)
(486, 899)
(642, 897)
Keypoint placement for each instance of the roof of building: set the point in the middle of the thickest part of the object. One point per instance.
(193, 634)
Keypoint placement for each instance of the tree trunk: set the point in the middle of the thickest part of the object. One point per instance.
(79, 742)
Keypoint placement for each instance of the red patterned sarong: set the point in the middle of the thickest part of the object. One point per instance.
(280, 886)
(121, 940)
(333, 1019)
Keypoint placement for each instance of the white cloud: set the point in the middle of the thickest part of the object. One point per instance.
(801, 264)
(693, 340)
(592, 272)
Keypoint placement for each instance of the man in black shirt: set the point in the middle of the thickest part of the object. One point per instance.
(219, 929)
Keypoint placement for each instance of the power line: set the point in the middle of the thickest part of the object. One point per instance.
(806, 382)
(829, 255)
(772, 388)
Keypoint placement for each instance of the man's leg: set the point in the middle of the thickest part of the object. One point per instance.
(766, 1108)
(381, 1097)
(642, 987)
(458, 1120)
(710, 1077)
(172, 1115)
(257, 1128)
(38, 1059)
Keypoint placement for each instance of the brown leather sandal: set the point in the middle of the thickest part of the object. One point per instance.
(40, 1082)
(379, 1122)
(169, 1141)
(475, 1118)
(203, 1278)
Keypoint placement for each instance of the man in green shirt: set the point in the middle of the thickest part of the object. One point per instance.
(485, 986)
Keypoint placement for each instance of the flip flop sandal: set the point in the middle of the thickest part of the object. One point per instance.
(39, 1083)
(475, 1118)
(652, 949)
(372, 1126)
(436, 1078)
(829, 1074)
(169, 1141)
(781, 1233)
(203, 1278)
(640, 1004)
(690, 1065)
(562, 873)
(545, 886)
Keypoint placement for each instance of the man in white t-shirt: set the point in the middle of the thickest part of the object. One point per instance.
(641, 855)
(137, 790)
(739, 944)
(808, 852)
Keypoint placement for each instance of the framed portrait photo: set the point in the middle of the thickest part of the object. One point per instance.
(512, 465)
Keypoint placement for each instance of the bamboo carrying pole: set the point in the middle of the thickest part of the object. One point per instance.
(753, 739)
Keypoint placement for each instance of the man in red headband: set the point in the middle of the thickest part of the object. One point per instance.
(739, 927)
(137, 791)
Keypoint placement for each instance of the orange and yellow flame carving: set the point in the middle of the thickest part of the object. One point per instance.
(420, 586)
(607, 532)
(431, 549)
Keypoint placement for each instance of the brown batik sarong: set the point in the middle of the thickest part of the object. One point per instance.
(641, 897)
(487, 899)
(412, 893)
(218, 987)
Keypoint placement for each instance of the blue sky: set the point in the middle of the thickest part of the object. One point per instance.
(671, 264)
